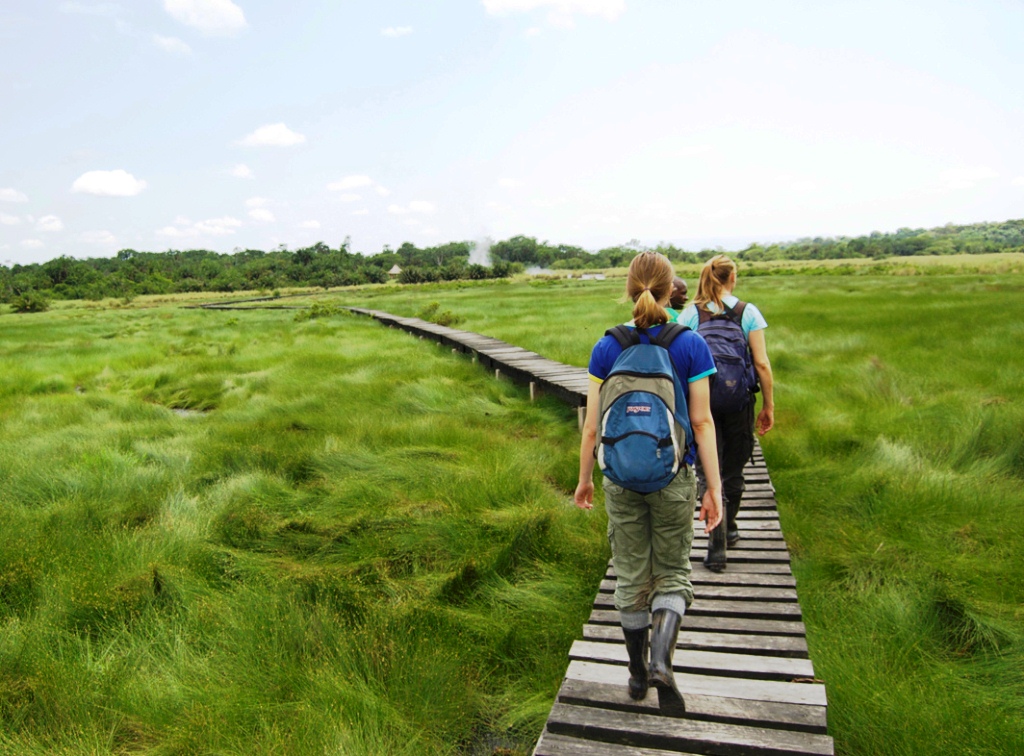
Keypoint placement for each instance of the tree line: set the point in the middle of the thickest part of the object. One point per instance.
(132, 272)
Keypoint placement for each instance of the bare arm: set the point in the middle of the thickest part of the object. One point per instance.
(584, 496)
(766, 417)
(707, 447)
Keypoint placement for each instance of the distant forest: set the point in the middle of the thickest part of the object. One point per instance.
(131, 273)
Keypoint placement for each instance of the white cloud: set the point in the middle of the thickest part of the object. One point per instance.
(98, 237)
(411, 222)
(49, 223)
(1018, 181)
(397, 210)
(310, 224)
(965, 178)
(533, 31)
(560, 12)
(210, 227)
(509, 183)
(349, 197)
(32, 244)
(8, 194)
(172, 45)
(396, 31)
(361, 211)
(118, 183)
(262, 215)
(9, 220)
(213, 17)
(257, 202)
(381, 191)
(272, 135)
(242, 171)
(350, 182)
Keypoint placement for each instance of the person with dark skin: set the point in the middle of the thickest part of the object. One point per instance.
(677, 300)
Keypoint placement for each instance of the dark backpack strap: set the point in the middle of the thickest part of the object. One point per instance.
(736, 313)
(668, 334)
(625, 335)
(703, 316)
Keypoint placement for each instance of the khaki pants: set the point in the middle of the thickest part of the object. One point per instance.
(650, 536)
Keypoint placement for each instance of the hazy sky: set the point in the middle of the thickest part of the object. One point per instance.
(158, 124)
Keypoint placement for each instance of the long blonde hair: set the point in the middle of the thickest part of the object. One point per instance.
(649, 282)
(714, 277)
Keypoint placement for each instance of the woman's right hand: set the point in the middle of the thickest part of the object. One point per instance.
(584, 496)
(765, 420)
(711, 509)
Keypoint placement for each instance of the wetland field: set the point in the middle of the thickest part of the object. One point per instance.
(242, 532)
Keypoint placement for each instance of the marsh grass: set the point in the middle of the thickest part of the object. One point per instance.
(899, 464)
(234, 533)
(347, 540)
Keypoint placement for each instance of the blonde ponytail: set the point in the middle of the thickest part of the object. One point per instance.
(649, 282)
(714, 277)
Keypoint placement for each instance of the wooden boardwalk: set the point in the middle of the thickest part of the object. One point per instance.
(741, 661)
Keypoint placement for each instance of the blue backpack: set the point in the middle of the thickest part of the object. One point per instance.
(733, 386)
(644, 427)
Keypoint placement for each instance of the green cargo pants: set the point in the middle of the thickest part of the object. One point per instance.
(650, 536)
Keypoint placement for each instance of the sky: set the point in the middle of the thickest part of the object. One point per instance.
(224, 124)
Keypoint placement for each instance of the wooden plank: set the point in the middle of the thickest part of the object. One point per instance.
(703, 576)
(713, 663)
(725, 608)
(711, 738)
(733, 592)
(551, 744)
(739, 554)
(709, 685)
(721, 624)
(736, 643)
(801, 717)
(757, 544)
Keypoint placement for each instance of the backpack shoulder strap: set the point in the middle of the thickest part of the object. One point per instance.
(735, 314)
(668, 334)
(703, 316)
(625, 335)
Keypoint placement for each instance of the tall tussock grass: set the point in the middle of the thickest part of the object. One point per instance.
(276, 537)
(897, 459)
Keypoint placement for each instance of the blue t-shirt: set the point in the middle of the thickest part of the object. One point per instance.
(752, 319)
(689, 354)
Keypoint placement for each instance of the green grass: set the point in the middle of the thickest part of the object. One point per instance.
(899, 463)
(348, 540)
(230, 534)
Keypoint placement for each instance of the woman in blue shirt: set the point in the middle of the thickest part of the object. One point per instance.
(651, 534)
(734, 430)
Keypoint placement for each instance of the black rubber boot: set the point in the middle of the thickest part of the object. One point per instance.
(664, 632)
(637, 644)
(732, 531)
(715, 559)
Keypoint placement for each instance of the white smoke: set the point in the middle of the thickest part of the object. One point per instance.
(480, 254)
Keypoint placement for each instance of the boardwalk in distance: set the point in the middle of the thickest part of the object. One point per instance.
(741, 660)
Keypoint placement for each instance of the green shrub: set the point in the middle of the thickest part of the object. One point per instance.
(31, 301)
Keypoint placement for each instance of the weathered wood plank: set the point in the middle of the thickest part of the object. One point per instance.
(714, 663)
(709, 685)
(733, 592)
(551, 744)
(711, 738)
(725, 608)
(735, 643)
(732, 577)
(802, 717)
(739, 554)
(718, 624)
